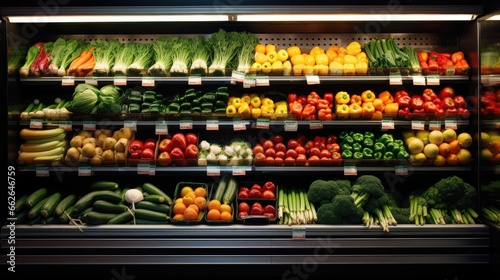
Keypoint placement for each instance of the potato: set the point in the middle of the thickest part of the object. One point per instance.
(91, 140)
(76, 141)
(100, 140)
(106, 132)
(121, 145)
(109, 143)
(96, 160)
(125, 132)
(88, 150)
(108, 156)
(120, 156)
(85, 133)
(98, 151)
(73, 154)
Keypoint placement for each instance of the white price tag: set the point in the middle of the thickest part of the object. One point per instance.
(350, 170)
(186, 124)
(312, 79)
(417, 125)
(143, 168)
(298, 234)
(213, 170)
(262, 81)
(88, 125)
(291, 125)
(419, 81)
(387, 124)
(315, 125)
(239, 125)
(36, 123)
(194, 80)
(152, 170)
(132, 124)
(161, 128)
(68, 81)
(66, 125)
(262, 123)
(395, 80)
(249, 82)
(42, 171)
(401, 170)
(237, 76)
(148, 81)
(238, 170)
(434, 125)
(91, 81)
(120, 81)
(433, 80)
(450, 124)
(212, 125)
(84, 171)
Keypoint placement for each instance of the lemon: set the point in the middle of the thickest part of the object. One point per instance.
(185, 190)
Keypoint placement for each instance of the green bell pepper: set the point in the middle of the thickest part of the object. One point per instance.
(358, 155)
(389, 155)
(343, 135)
(399, 142)
(392, 147)
(348, 139)
(367, 153)
(347, 154)
(370, 135)
(385, 138)
(357, 147)
(358, 137)
(368, 143)
(402, 154)
(378, 155)
(346, 147)
(378, 147)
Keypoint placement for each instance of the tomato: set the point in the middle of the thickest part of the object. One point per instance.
(300, 150)
(242, 214)
(268, 194)
(268, 144)
(165, 158)
(191, 138)
(150, 143)
(308, 145)
(147, 153)
(279, 161)
(179, 140)
(259, 159)
(269, 161)
(332, 138)
(270, 152)
(243, 207)
(191, 151)
(280, 147)
(289, 161)
(292, 144)
(269, 186)
(277, 139)
(243, 194)
(334, 147)
(279, 154)
(301, 160)
(315, 151)
(325, 153)
(446, 92)
(256, 187)
(313, 160)
(258, 149)
(326, 161)
(291, 153)
(270, 215)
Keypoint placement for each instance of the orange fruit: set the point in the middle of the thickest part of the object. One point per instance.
(452, 159)
(179, 208)
(190, 214)
(178, 200)
(454, 146)
(214, 204)
(439, 160)
(178, 217)
(213, 214)
(187, 200)
(201, 202)
(225, 216)
(444, 149)
(195, 207)
(260, 48)
(200, 191)
(225, 208)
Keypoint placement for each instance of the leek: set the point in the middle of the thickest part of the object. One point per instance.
(201, 56)
(142, 60)
(182, 52)
(104, 55)
(247, 52)
(225, 46)
(161, 56)
(30, 58)
(124, 56)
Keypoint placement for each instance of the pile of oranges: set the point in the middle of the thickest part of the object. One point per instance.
(219, 211)
(190, 204)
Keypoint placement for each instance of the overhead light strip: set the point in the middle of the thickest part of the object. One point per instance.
(116, 18)
(495, 17)
(356, 17)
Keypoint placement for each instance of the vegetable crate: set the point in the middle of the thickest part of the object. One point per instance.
(182, 220)
(262, 209)
(218, 222)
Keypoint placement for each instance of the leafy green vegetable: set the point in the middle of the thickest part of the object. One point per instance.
(84, 98)
(124, 56)
(247, 52)
(56, 56)
(104, 55)
(71, 51)
(225, 46)
(162, 57)
(33, 52)
(182, 52)
(15, 59)
(201, 56)
(142, 60)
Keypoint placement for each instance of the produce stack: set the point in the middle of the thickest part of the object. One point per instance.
(42, 146)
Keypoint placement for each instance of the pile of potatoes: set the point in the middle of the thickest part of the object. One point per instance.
(99, 147)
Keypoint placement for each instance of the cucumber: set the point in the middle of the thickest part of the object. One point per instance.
(122, 218)
(87, 200)
(158, 207)
(21, 203)
(36, 196)
(148, 222)
(97, 218)
(34, 211)
(66, 214)
(66, 202)
(81, 214)
(50, 220)
(221, 187)
(103, 185)
(230, 192)
(152, 189)
(51, 204)
(21, 217)
(104, 206)
(155, 198)
(150, 215)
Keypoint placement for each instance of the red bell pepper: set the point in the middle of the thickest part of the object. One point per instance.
(191, 138)
(443, 58)
(332, 138)
(459, 101)
(428, 95)
(179, 140)
(437, 101)
(439, 110)
(446, 92)
(147, 153)
(309, 145)
(404, 101)
(430, 107)
(463, 113)
(165, 158)
(416, 102)
(150, 143)
(433, 55)
(296, 108)
(302, 99)
(269, 186)
(451, 112)
(269, 209)
(322, 104)
(308, 112)
(255, 193)
(292, 97)
(136, 146)
(433, 66)
(191, 151)
(325, 114)
(329, 97)
(177, 153)
(404, 113)
(166, 145)
(399, 94)
(447, 103)
(312, 98)
(423, 56)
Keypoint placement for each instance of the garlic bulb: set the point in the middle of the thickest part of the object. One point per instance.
(132, 196)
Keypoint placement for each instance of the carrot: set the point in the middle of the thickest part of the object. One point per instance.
(80, 60)
(83, 69)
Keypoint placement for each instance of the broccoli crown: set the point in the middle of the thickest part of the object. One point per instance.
(340, 211)
(322, 191)
(370, 185)
(379, 202)
(450, 192)
(401, 215)
(344, 185)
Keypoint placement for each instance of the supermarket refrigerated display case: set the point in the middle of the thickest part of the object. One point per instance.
(460, 247)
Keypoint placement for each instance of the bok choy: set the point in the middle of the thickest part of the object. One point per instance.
(247, 52)
(32, 54)
(71, 51)
(225, 46)
(142, 60)
(104, 55)
(15, 60)
(161, 56)
(182, 53)
(201, 56)
(56, 57)
(124, 56)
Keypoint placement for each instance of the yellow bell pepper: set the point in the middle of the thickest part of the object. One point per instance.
(342, 97)
(349, 69)
(236, 102)
(293, 51)
(267, 110)
(244, 111)
(361, 68)
(336, 68)
(322, 59)
(231, 111)
(350, 59)
(255, 101)
(342, 111)
(245, 98)
(256, 113)
(267, 102)
(361, 57)
(353, 48)
(368, 96)
(355, 111)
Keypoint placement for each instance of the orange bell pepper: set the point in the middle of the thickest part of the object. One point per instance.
(368, 96)
(297, 59)
(321, 59)
(293, 51)
(386, 97)
(378, 104)
(456, 57)
(355, 99)
(377, 115)
(367, 110)
(391, 109)
(355, 111)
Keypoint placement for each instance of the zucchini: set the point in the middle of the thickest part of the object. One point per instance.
(36, 196)
(51, 204)
(21, 203)
(34, 211)
(97, 218)
(155, 198)
(50, 220)
(103, 185)
(150, 215)
(152, 189)
(37, 220)
(66, 202)
(230, 192)
(121, 218)
(162, 208)
(67, 214)
(87, 200)
(104, 206)
(21, 217)
(221, 187)
(81, 214)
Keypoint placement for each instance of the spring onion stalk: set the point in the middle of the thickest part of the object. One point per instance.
(201, 56)
(162, 57)
(124, 56)
(30, 58)
(104, 55)
(281, 204)
(72, 50)
(142, 60)
(182, 52)
(247, 52)
(225, 46)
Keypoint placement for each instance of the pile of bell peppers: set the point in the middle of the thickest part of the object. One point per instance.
(490, 103)
(312, 106)
(438, 62)
(366, 105)
(367, 145)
